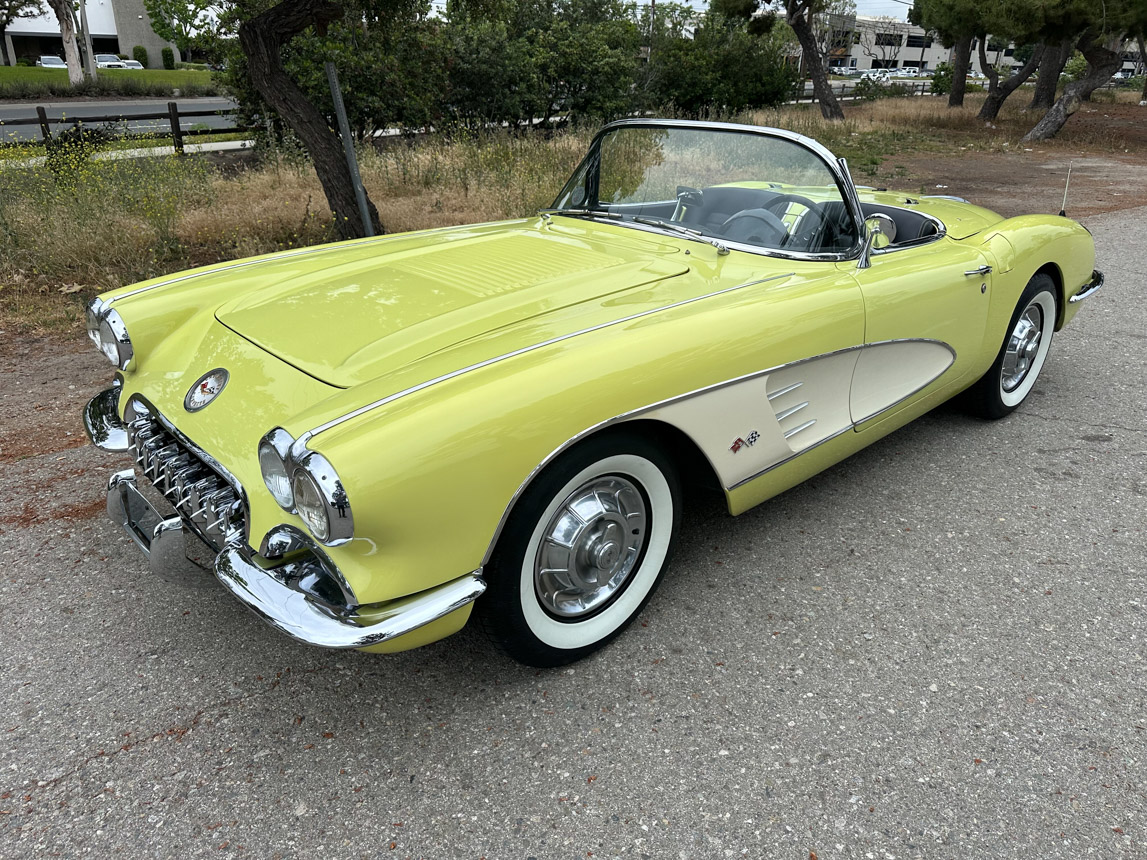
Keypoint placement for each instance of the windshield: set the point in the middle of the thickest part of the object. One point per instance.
(741, 187)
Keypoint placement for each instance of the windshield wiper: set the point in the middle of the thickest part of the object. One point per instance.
(580, 213)
(688, 232)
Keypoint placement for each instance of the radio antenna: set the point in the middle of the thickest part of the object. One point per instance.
(1067, 185)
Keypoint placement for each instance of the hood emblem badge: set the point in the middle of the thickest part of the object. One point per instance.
(206, 389)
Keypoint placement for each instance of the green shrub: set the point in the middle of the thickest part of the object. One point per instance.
(139, 54)
(870, 89)
(26, 62)
(168, 59)
(1075, 68)
(71, 148)
(942, 80)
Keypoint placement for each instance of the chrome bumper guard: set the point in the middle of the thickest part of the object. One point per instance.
(1088, 289)
(286, 593)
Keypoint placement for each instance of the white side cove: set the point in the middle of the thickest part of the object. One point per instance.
(753, 425)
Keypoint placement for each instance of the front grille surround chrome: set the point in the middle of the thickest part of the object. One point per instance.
(207, 498)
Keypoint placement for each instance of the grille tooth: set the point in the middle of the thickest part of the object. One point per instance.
(200, 495)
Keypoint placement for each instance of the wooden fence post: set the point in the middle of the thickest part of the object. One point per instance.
(45, 130)
(176, 131)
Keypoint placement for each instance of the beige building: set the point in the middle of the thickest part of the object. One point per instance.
(865, 42)
(116, 27)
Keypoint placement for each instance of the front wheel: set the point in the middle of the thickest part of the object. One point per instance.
(1021, 358)
(583, 551)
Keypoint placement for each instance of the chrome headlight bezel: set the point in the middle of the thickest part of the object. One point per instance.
(274, 454)
(108, 331)
(317, 495)
(95, 315)
(335, 505)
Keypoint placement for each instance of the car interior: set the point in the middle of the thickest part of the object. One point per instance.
(776, 219)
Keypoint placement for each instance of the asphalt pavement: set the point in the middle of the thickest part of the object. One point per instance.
(935, 649)
(79, 110)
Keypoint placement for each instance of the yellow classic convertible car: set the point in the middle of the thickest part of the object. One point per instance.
(377, 438)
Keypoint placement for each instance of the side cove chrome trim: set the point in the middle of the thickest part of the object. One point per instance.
(300, 445)
(636, 413)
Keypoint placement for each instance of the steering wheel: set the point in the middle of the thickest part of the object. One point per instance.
(807, 229)
(755, 225)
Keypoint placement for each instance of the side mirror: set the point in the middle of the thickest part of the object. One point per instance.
(879, 231)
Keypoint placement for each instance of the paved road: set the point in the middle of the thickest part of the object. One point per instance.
(74, 110)
(935, 649)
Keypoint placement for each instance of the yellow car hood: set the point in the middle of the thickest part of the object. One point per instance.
(380, 307)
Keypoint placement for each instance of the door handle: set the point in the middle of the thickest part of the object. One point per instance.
(983, 270)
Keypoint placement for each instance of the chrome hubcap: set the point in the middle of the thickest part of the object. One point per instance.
(590, 547)
(1022, 348)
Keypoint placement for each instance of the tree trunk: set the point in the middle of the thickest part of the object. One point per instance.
(798, 19)
(262, 37)
(1142, 60)
(1050, 67)
(64, 14)
(998, 93)
(961, 58)
(1102, 62)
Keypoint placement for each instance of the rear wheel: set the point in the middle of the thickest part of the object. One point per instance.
(1021, 358)
(583, 550)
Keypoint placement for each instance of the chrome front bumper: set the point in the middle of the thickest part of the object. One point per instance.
(1088, 289)
(287, 593)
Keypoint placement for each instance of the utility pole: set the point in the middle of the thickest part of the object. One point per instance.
(89, 57)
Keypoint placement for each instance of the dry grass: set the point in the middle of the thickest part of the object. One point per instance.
(97, 225)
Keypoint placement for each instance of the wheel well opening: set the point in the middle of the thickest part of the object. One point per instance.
(695, 470)
(1053, 272)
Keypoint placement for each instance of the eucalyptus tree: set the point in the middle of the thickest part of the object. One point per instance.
(803, 16)
(957, 23)
(1101, 31)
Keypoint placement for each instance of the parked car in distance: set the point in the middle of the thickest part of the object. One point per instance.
(109, 61)
(882, 76)
(375, 438)
(909, 72)
(132, 64)
(51, 62)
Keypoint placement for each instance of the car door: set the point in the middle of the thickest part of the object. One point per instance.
(932, 301)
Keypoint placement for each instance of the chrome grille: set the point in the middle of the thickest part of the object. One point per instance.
(203, 498)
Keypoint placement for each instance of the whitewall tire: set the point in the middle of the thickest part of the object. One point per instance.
(583, 550)
(1022, 355)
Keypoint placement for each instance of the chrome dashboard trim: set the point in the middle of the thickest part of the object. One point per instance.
(636, 413)
(298, 450)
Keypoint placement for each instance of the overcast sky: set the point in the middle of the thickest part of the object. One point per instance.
(892, 8)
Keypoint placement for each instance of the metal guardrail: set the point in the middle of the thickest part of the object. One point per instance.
(173, 115)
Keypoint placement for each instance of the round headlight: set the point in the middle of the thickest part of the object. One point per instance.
(275, 474)
(311, 505)
(114, 341)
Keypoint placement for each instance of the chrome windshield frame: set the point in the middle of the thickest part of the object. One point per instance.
(837, 167)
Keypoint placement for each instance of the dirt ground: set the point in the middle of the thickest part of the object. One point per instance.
(1032, 179)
